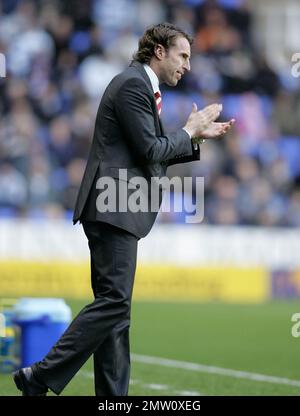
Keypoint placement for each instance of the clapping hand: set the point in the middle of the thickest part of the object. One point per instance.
(202, 125)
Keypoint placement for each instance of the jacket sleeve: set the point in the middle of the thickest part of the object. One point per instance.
(135, 113)
(184, 159)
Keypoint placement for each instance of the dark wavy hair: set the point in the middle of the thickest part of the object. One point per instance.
(164, 34)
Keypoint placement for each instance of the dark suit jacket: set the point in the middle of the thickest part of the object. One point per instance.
(129, 135)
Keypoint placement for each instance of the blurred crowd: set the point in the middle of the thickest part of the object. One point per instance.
(60, 55)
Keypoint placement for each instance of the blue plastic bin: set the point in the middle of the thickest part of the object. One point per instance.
(42, 321)
(9, 335)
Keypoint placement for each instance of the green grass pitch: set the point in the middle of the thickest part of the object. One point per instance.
(253, 339)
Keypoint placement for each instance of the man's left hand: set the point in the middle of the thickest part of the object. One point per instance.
(216, 129)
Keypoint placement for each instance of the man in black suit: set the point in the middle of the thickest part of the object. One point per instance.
(128, 137)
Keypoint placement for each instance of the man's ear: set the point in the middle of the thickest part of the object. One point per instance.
(159, 51)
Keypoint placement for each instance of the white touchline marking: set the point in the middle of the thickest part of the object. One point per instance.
(202, 368)
(188, 393)
(86, 374)
(154, 386)
(150, 386)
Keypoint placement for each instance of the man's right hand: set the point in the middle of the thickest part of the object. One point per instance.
(199, 121)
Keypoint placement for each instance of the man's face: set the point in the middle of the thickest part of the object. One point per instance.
(174, 62)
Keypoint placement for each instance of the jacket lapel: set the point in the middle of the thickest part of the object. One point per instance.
(141, 70)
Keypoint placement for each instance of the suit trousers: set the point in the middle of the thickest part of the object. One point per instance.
(102, 327)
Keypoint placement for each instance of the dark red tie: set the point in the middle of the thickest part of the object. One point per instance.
(158, 100)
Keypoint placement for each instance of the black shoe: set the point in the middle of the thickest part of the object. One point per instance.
(28, 384)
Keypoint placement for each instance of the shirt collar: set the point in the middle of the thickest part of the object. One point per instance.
(153, 78)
